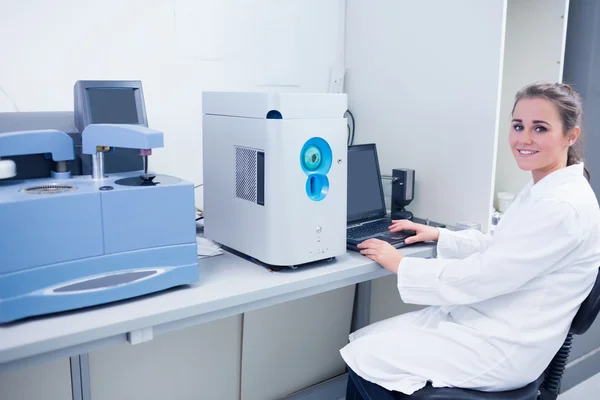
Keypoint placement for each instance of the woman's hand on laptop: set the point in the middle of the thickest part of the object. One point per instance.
(425, 233)
(382, 253)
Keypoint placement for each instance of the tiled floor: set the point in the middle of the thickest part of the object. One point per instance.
(586, 390)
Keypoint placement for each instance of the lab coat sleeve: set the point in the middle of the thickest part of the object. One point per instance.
(461, 244)
(546, 237)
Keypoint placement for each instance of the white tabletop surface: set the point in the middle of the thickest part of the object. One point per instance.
(228, 286)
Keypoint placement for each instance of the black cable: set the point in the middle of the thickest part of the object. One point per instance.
(351, 129)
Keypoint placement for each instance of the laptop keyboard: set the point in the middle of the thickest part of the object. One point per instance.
(368, 229)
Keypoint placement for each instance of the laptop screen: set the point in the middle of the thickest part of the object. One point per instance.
(365, 191)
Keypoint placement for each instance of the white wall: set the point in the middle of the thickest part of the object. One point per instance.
(423, 83)
(534, 51)
(6, 103)
(178, 48)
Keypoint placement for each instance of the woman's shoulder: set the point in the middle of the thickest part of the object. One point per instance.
(578, 193)
(574, 200)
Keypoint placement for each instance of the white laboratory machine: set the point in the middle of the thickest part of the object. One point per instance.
(275, 173)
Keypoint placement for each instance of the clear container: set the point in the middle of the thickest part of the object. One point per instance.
(505, 199)
(387, 192)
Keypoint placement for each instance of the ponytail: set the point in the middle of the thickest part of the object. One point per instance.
(575, 156)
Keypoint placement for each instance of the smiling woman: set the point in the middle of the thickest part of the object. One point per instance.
(494, 318)
(546, 128)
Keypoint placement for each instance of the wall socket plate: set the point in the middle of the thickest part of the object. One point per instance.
(336, 78)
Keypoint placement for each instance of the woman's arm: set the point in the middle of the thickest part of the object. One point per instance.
(507, 264)
(461, 244)
(450, 244)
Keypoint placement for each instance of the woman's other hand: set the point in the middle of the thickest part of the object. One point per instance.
(425, 233)
(382, 253)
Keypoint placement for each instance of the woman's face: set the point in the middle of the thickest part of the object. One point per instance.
(537, 137)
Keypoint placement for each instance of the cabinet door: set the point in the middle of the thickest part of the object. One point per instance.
(291, 346)
(197, 363)
(386, 301)
(48, 381)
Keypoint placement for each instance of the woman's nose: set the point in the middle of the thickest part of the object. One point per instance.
(527, 137)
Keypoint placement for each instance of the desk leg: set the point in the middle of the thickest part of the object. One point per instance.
(80, 377)
(361, 314)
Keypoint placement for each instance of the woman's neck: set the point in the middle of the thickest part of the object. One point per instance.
(541, 173)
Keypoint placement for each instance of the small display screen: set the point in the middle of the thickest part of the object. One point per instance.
(364, 183)
(113, 106)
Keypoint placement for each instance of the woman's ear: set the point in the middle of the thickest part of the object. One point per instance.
(574, 135)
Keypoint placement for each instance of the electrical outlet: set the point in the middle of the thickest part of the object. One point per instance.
(336, 78)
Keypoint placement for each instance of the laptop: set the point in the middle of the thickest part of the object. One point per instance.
(367, 216)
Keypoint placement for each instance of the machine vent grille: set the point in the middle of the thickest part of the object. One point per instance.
(49, 189)
(245, 174)
(250, 175)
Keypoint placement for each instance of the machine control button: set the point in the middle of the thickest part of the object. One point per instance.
(319, 229)
(106, 188)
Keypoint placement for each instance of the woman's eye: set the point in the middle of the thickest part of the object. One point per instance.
(540, 129)
(518, 127)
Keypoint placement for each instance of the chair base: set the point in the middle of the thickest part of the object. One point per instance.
(529, 392)
(546, 395)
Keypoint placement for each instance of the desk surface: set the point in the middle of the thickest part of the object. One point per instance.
(228, 286)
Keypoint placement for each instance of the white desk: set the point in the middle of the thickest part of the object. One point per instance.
(228, 286)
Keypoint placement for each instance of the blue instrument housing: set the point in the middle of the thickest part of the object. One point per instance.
(72, 243)
(69, 240)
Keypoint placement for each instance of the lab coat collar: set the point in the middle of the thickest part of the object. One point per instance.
(549, 183)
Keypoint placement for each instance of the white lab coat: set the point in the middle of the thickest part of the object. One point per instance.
(500, 306)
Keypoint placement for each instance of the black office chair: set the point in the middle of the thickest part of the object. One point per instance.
(546, 387)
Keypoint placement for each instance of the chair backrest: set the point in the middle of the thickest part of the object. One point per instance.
(588, 311)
